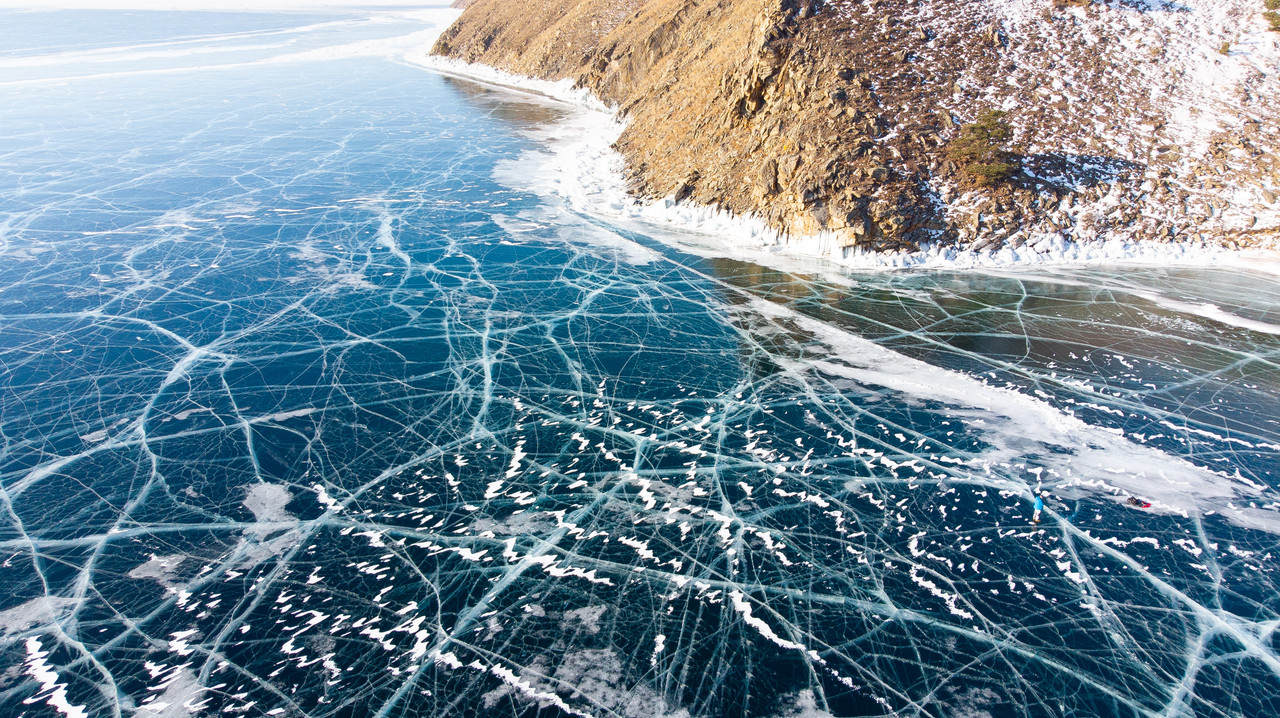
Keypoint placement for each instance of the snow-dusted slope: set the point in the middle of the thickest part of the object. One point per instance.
(1135, 120)
(1142, 83)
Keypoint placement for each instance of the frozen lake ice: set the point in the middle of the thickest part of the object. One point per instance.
(308, 409)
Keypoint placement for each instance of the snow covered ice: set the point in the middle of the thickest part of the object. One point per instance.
(315, 400)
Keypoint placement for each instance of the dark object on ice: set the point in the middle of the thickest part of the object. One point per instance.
(1135, 501)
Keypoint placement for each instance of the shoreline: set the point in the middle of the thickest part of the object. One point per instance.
(585, 171)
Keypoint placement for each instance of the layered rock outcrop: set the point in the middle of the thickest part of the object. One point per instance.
(835, 116)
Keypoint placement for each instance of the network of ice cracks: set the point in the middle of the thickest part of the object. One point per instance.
(605, 488)
(458, 453)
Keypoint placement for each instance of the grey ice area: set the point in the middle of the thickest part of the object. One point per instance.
(304, 413)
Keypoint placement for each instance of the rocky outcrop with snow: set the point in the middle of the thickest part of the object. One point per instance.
(1134, 120)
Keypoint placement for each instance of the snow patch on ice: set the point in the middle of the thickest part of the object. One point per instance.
(51, 691)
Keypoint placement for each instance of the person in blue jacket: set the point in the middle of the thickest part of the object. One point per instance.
(1039, 506)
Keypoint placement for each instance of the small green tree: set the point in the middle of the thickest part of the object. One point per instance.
(981, 149)
(1271, 16)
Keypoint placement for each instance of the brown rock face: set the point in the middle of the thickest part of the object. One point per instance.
(835, 115)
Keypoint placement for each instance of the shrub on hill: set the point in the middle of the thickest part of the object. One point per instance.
(980, 149)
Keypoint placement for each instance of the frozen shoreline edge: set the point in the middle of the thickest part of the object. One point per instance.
(585, 171)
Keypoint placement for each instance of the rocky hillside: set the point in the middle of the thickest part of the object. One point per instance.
(1130, 119)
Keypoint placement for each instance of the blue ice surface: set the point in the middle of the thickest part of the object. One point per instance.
(36, 34)
(305, 413)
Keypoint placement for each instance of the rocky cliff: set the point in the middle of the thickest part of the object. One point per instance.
(1131, 119)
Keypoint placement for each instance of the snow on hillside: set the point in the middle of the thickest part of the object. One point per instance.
(1127, 87)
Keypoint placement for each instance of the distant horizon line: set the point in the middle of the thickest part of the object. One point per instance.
(220, 5)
